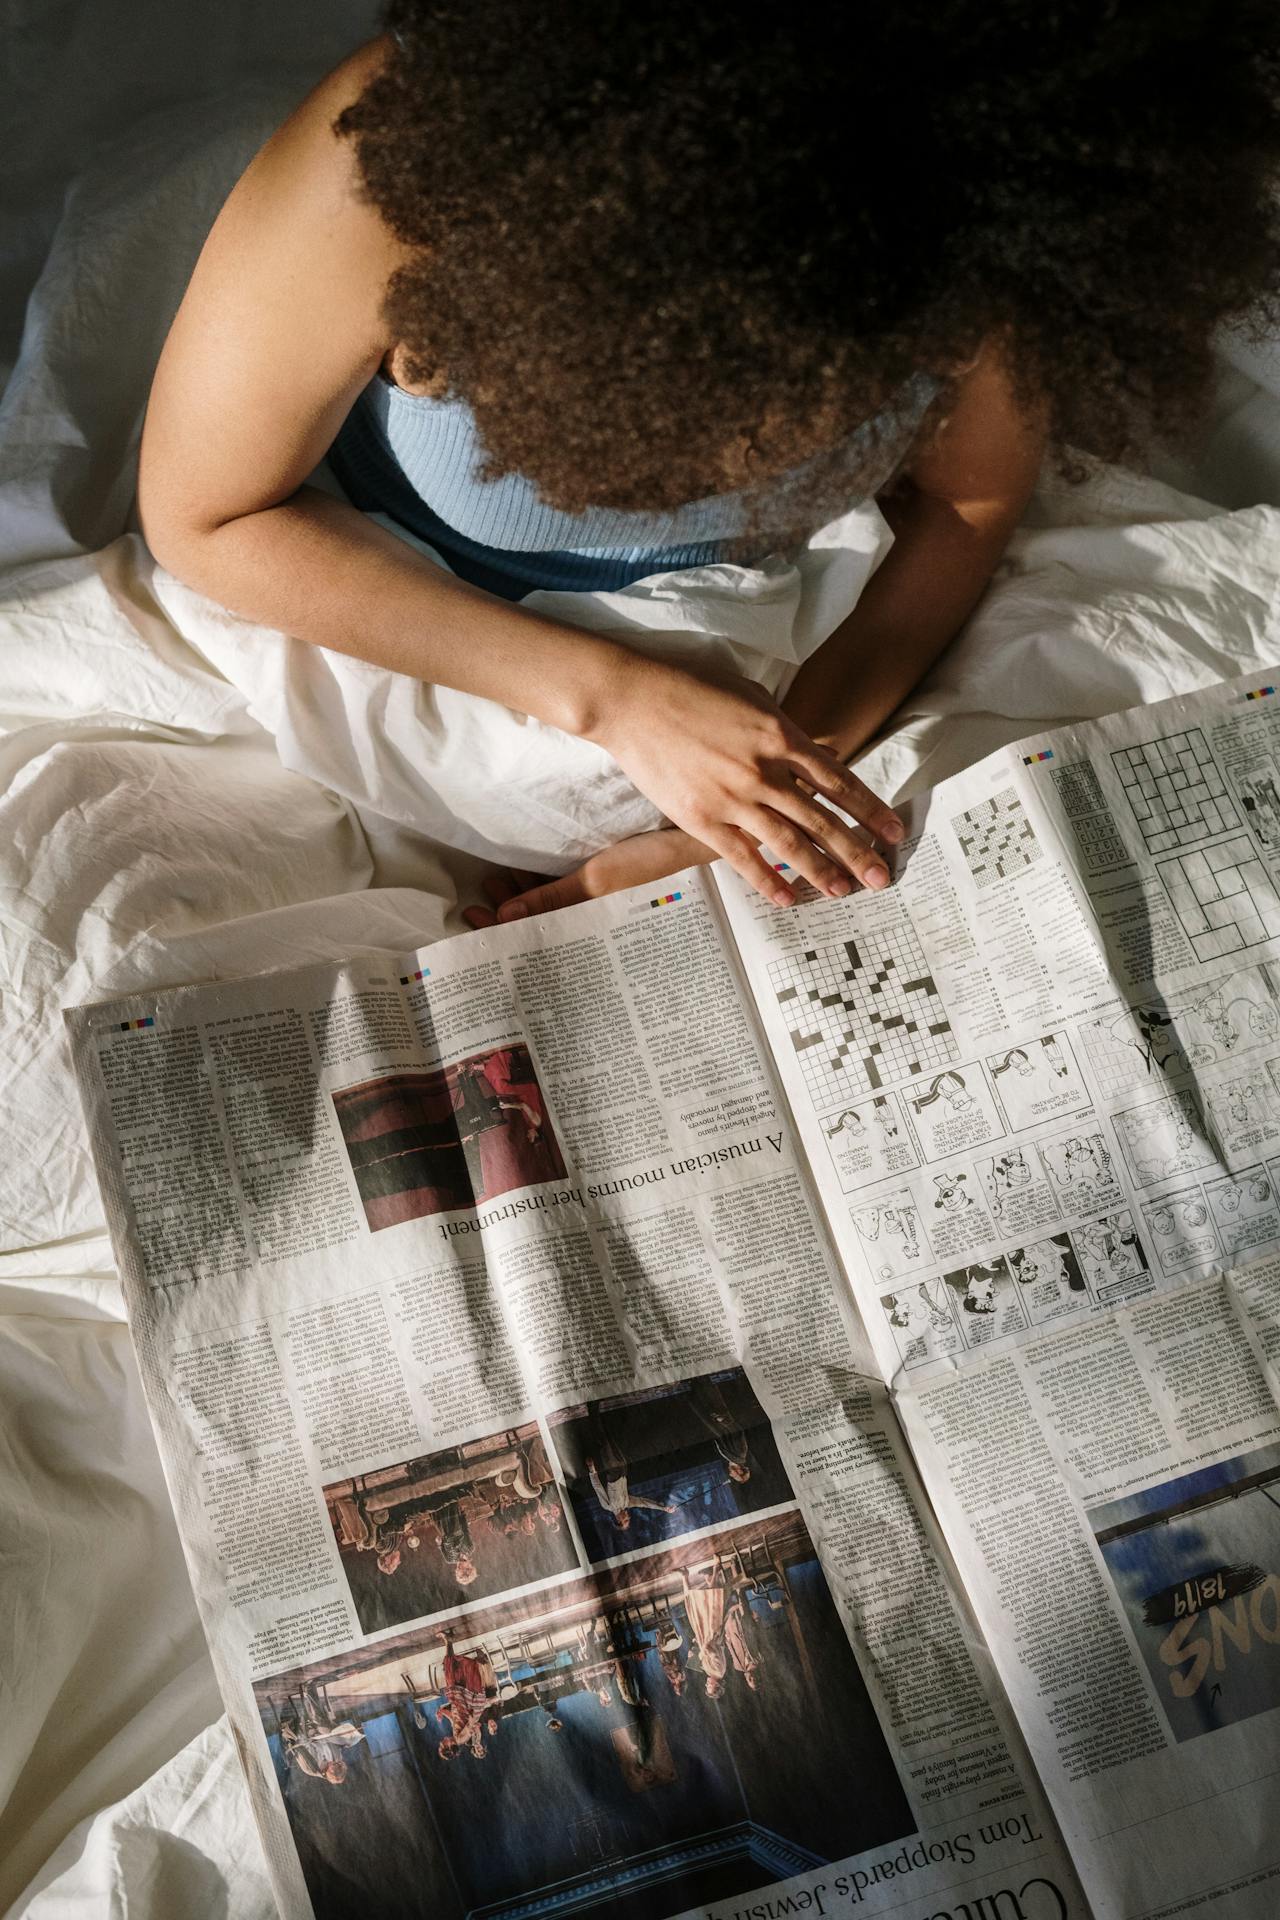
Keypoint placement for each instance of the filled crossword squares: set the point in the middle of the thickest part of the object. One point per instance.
(996, 838)
(1175, 790)
(862, 1015)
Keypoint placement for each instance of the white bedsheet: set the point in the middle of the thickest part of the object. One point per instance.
(151, 832)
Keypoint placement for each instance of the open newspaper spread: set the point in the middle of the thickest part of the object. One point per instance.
(679, 1407)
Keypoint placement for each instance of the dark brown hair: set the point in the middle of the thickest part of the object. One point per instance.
(649, 242)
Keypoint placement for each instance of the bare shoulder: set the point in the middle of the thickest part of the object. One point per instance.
(280, 328)
(306, 179)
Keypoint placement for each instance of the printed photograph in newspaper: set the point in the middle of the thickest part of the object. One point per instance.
(423, 1143)
(1196, 1562)
(661, 1462)
(429, 1534)
(649, 1738)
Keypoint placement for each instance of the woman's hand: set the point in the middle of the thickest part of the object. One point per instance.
(730, 770)
(644, 857)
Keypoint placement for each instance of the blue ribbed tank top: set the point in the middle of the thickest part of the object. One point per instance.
(415, 459)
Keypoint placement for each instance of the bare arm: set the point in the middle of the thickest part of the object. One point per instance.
(279, 330)
(962, 501)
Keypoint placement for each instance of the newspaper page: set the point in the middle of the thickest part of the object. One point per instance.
(1038, 1083)
(557, 1544)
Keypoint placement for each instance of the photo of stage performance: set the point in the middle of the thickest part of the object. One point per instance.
(432, 1533)
(654, 1465)
(422, 1143)
(636, 1742)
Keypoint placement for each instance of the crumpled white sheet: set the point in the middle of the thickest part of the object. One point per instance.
(165, 818)
(495, 782)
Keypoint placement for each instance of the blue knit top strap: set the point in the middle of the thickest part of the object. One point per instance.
(415, 459)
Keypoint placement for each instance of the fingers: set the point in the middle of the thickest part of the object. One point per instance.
(832, 871)
(745, 858)
(835, 782)
(809, 831)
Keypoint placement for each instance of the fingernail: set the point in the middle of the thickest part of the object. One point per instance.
(512, 910)
(876, 877)
(893, 830)
(840, 885)
(782, 899)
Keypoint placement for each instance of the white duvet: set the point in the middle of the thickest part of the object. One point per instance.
(182, 796)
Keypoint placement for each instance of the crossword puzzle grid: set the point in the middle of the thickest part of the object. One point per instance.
(1175, 790)
(1224, 897)
(863, 1015)
(996, 838)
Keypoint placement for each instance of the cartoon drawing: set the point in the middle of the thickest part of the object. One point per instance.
(948, 1087)
(1037, 1079)
(1240, 1107)
(1009, 1173)
(975, 1287)
(1109, 1250)
(1127, 1047)
(922, 1322)
(1047, 1263)
(1244, 1210)
(1259, 795)
(894, 1225)
(952, 1196)
(1162, 1139)
(1253, 1188)
(868, 1141)
(916, 1307)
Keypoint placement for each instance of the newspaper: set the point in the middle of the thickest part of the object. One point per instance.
(677, 1407)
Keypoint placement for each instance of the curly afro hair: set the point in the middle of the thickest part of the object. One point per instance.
(668, 250)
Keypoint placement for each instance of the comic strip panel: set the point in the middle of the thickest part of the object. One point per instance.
(1246, 1210)
(1193, 1561)
(1180, 1231)
(422, 1143)
(1036, 1081)
(953, 1110)
(891, 1235)
(650, 1739)
(429, 1534)
(1050, 1280)
(956, 1219)
(1019, 1197)
(1081, 1171)
(1111, 1258)
(987, 1302)
(924, 1327)
(652, 1465)
(1244, 1112)
(1163, 1138)
(868, 1141)
(1132, 1047)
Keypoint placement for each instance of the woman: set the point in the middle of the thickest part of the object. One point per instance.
(681, 284)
